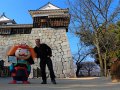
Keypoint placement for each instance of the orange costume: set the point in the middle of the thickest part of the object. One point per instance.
(22, 57)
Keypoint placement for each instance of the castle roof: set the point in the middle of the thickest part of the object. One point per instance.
(4, 19)
(17, 26)
(48, 6)
(49, 9)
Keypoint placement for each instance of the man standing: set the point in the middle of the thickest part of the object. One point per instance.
(44, 52)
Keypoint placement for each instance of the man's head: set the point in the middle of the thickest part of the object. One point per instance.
(37, 41)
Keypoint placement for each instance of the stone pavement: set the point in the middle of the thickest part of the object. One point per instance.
(93, 83)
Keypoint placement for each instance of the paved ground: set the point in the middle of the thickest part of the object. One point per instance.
(93, 83)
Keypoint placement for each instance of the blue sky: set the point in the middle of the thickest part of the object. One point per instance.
(18, 10)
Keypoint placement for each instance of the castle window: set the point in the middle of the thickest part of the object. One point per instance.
(40, 22)
(4, 31)
(21, 30)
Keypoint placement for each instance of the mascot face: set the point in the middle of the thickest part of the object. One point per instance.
(22, 53)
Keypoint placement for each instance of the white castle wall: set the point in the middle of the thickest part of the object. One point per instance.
(55, 38)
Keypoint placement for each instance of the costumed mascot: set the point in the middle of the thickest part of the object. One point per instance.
(21, 56)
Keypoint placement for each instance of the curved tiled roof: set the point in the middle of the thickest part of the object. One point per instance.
(4, 19)
(48, 6)
(17, 26)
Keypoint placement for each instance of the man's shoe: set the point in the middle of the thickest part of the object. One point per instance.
(43, 82)
(53, 81)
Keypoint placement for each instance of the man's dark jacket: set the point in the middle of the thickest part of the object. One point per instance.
(43, 51)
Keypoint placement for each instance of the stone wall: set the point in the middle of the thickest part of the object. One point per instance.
(55, 38)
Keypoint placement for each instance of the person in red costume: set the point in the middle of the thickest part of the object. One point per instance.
(22, 57)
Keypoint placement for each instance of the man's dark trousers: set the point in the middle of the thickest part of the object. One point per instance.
(43, 62)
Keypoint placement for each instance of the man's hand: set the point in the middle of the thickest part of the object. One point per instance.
(36, 60)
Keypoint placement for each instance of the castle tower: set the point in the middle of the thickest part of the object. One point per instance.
(50, 16)
(51, 22)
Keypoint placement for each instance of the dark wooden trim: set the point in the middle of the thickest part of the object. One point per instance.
(9, 31)
(43, 22)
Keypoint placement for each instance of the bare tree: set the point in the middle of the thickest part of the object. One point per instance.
(91, 17)
(89, 67)
(80, 56)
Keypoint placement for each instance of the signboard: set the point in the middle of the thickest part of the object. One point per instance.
(12, 59)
